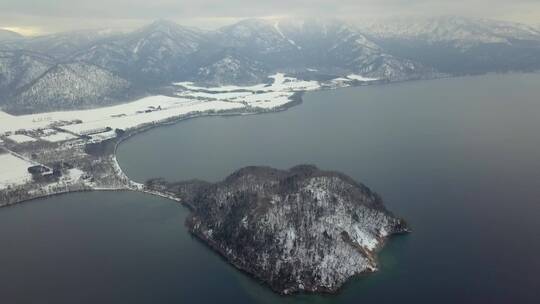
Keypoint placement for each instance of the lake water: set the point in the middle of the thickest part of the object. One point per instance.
(458, 158)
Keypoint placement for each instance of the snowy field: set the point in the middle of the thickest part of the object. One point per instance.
(214, 96)
(281, 83)
(14, 171)
(123, 116)
(270, 100)
(21, 139)
(4, 115)
(134, 120)
(43, 120)
(155, 109)
(59, 137)
(360, 78)
(262, 96)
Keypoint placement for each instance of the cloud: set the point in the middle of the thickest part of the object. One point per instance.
(65, 14)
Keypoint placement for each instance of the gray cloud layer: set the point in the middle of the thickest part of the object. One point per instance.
(75, 14)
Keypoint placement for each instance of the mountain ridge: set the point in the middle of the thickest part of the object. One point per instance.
(248, 51)
(460, 46)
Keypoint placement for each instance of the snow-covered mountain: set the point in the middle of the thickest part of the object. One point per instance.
(329, 46)
(457, 45)
(33, 82)
(226, 66)
(461, 32)
(334, 45)
(247, 52)
(153, 53)
(69, 86)
(254, 35)
(19, 68)
(162, 52)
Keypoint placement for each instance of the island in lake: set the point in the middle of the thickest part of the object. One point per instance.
(297, 230)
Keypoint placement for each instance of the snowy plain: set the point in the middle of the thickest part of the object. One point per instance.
(13, 171)
(156, 109)
(58, 137)
(20, 139)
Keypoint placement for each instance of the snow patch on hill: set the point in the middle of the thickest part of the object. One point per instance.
(276, 26)
(361, 78)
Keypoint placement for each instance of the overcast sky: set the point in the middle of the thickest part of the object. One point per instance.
(45, 16)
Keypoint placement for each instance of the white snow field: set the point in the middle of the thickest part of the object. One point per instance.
(3, 114)
(155, 109)
(361, 78)
(58, 137)
(125, 116)
(263, 96)
(270, 100)
(213, 96)
(132, 120)
(281, 83)
(13, 171)
(21, 139)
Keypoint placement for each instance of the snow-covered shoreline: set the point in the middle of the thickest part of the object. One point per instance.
(42, 192)
(128, 184)
(69, 129)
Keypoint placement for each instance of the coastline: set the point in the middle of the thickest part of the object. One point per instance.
(127, 184)
(130, 185)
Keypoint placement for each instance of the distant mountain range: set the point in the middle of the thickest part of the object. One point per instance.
(91, 68)
(461, 46)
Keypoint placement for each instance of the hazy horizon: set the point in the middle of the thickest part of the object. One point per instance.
(30, 17)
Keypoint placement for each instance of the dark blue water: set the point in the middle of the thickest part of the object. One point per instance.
(458, 158)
